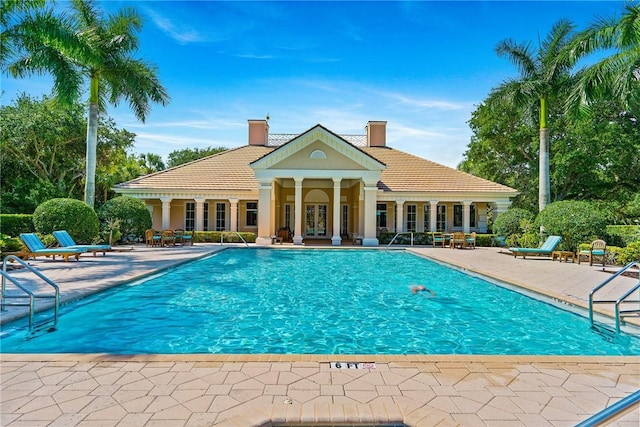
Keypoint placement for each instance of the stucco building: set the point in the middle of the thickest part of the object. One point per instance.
(319, 185)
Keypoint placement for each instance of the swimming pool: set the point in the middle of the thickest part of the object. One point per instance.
(316, 302)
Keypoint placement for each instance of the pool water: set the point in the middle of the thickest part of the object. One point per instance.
(316, 302)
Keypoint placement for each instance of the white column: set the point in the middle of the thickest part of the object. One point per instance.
(370, 200)
(466, 215)
(233, 214)
(360, 230)
(500, 206)
(399, 216)
(433, 215)
(199, 213)
(336, 240)
(166, 212)
(297, 208)
(264, 214)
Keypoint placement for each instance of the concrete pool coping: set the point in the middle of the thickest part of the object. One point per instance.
(261, 390)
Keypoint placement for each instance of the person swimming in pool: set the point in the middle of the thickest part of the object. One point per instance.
(421, 288)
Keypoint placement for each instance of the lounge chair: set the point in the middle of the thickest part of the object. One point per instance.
(546, 249)
(597, 249)
(66, 241)
(35, 248)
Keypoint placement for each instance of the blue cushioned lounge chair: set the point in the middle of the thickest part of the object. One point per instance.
(35, 247)
(546, 249)
(66, 241)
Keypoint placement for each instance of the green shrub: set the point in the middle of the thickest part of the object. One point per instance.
(622, 235)
(576, 221)
(9, 244)
(510, 222)
(78, 218)
(130, 214)
(227, 237)
(630, 253)
(14, 224)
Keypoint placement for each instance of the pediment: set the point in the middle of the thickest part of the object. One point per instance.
(318, 149)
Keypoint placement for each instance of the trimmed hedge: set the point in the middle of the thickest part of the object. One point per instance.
(14, 224)
(227, 237)
(78, 218)
(425, 239)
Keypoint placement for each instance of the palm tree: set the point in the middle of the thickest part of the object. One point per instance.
(543, 74)
(617, 75)
(84, 46)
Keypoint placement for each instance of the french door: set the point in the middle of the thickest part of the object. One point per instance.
(315, 220)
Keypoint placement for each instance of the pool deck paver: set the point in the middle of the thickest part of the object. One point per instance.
(264, 390)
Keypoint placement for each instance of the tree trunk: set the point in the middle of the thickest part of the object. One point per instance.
(544, 185)
(92, 142)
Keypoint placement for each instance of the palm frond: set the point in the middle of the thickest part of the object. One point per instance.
(519, 54)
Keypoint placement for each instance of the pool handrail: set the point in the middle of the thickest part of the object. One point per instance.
(30, 294)
(236, 232)
(618, 301)
(397, 234)
(612, 411)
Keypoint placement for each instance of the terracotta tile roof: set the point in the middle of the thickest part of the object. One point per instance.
(406, 172)
(228, 170)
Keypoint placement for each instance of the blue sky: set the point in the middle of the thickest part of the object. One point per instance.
(423, 66)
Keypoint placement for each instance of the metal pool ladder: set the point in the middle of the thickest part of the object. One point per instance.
(27, 297)
(620, 314)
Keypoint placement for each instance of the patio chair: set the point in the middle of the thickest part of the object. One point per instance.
(152, 238)
(66, 241)
(597, 249)
(35, 247)
(183, 237)
(546, 249)
(440, 239)
(471, 240)
(458, 240)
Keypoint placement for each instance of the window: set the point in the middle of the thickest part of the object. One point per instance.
(221, 211)
(457, 216)
(252, 214)
(411, 217)
(472, 216)
(381, 215)
(344, 229)
(190, 216)
(426, 219)
(441, 218)
(287, 217)
(205, 223)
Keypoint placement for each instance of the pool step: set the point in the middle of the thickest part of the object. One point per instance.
(14, 293)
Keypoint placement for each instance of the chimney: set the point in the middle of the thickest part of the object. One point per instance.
(376, 133)
(258, 132)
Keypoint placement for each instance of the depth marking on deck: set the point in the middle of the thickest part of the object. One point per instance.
(352, 365)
